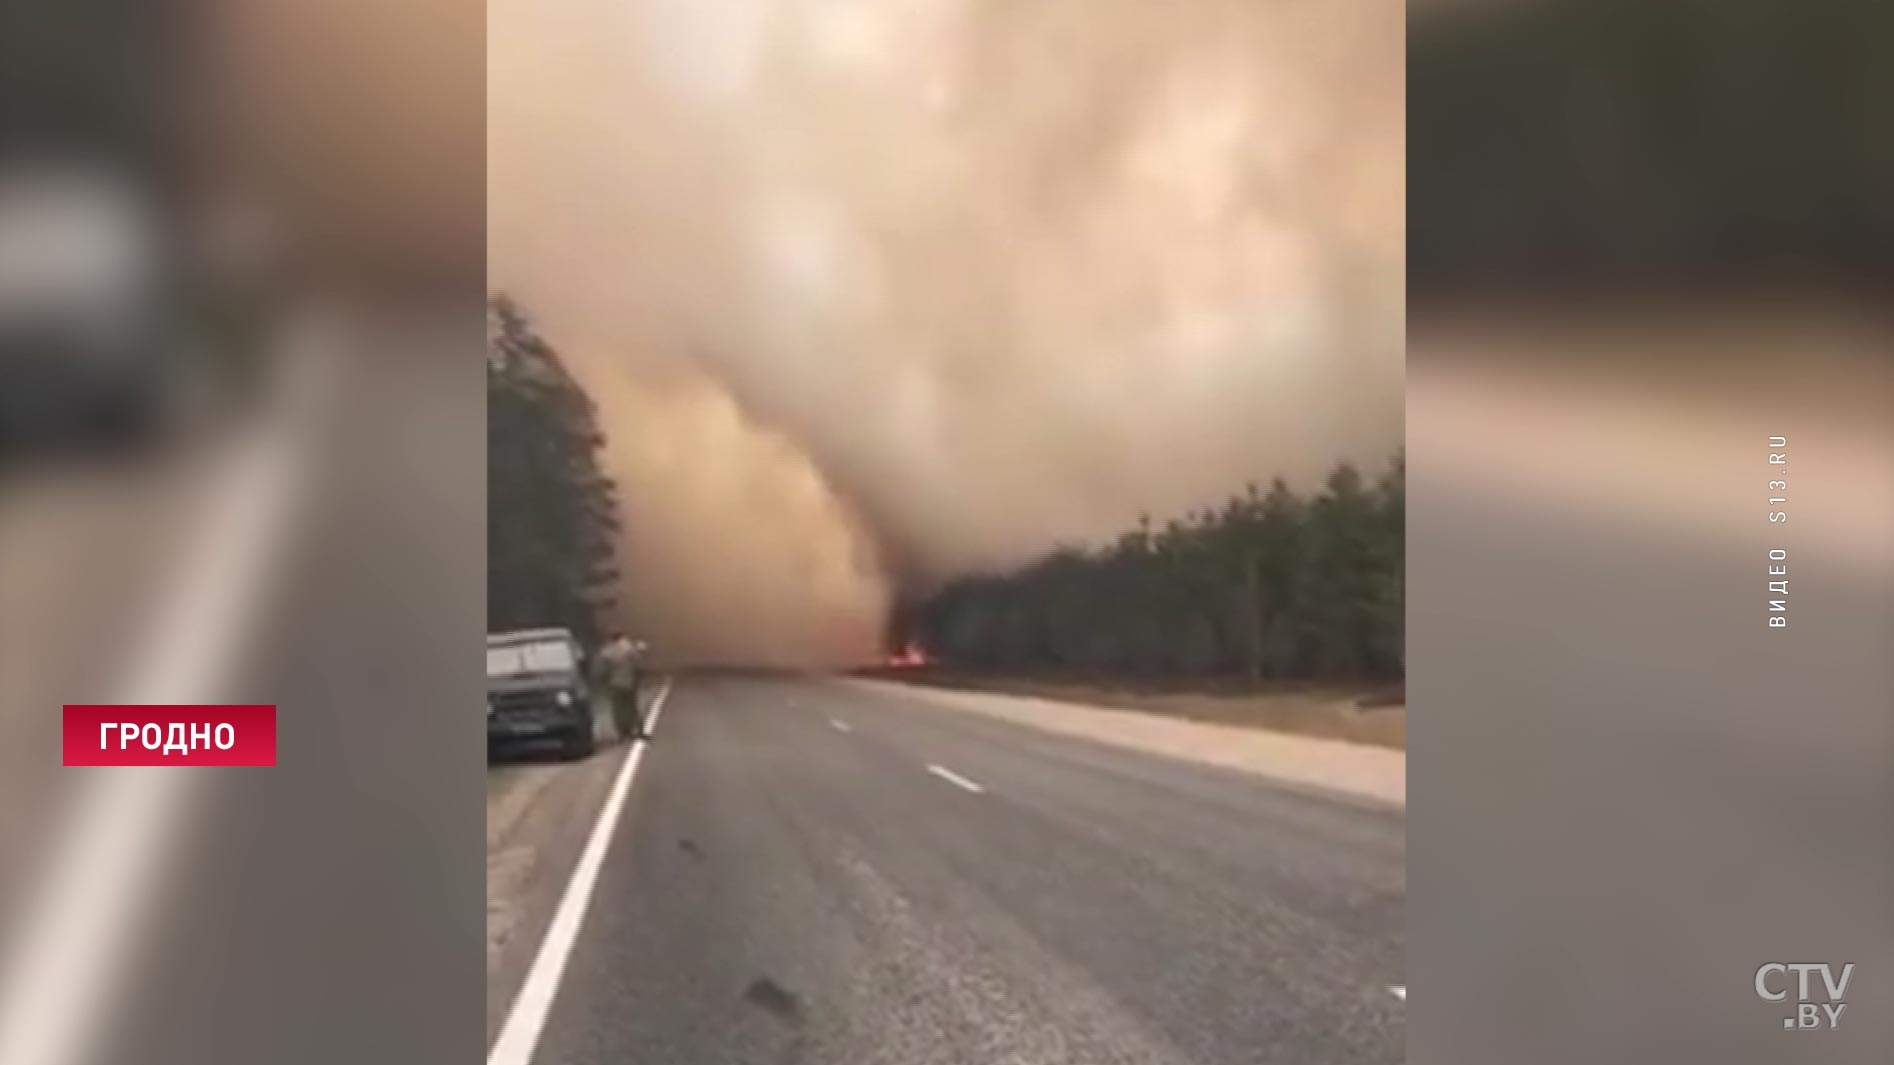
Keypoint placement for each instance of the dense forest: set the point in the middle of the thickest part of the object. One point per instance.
(551, 514)
(1270, 586)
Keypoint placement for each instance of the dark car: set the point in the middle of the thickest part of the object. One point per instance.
(115, 325)
(536, 691)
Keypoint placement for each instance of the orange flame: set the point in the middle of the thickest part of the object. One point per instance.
(910, 657)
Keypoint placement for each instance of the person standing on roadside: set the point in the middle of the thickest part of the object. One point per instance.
(618, 666)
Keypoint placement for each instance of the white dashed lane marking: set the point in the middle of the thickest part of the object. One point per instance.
(955, 779)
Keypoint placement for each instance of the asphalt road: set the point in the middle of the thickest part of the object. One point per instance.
(327, 908)
(804, 872)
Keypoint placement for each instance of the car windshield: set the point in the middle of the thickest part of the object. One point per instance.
(545, 656)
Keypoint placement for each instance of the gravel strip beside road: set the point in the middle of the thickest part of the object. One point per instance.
(1373, 773)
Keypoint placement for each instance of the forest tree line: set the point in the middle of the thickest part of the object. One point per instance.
(1270, 586)
(552, 514)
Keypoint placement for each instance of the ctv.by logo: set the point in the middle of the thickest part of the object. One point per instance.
(1808, 1015)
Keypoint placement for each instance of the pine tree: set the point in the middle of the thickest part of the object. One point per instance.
(1270, 586)
(552, 514)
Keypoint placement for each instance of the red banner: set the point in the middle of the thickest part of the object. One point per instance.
(171, 735)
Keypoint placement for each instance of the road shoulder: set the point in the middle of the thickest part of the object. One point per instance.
(538, 813)
(1373, 773)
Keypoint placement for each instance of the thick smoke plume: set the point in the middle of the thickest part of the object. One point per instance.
(877, 293)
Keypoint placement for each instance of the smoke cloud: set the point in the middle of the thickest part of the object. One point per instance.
(881, 293)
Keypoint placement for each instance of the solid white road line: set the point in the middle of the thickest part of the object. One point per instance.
(955, 779)
(520, 1035)
(840, 725)
(1400, 991)
(64, 974)
(657, 705)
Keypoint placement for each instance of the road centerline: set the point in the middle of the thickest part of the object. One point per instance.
(955, 778)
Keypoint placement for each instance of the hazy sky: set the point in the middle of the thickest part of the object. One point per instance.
(921, 286)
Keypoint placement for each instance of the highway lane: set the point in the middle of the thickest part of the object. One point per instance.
(540, 809)
(86, 551)
(811, 871)
(329, 908)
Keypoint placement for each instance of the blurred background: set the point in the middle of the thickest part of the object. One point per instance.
(241, 282)
(1645, 238)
